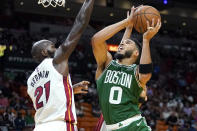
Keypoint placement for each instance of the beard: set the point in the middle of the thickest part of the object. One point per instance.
(127, 54)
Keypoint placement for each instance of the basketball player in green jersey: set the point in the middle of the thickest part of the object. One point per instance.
(120, 82)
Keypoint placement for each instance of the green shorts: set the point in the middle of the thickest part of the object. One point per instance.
(139, 125)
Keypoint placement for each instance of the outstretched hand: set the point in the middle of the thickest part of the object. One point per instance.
(151, 30)
(81, 87)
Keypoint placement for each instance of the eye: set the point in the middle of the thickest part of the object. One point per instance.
(127, 42)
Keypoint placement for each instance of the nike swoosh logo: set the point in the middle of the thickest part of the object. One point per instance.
(139, 123)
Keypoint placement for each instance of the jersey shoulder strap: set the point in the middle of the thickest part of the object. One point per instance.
(115, 63)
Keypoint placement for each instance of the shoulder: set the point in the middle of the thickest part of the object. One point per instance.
(43, 65)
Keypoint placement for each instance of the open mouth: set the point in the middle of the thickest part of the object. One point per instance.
(120, 48)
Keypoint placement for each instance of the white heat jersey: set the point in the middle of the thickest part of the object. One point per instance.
(52, 94)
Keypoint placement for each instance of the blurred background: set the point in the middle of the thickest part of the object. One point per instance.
(172, 91)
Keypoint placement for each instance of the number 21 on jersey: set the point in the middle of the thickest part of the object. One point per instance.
(39, 92)
(118, 90)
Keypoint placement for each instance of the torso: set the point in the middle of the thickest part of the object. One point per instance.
(119, 92)
(52, 94)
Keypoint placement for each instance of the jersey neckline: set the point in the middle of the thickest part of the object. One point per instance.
(116, 62)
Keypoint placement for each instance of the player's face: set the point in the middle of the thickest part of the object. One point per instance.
(126, 45)
(51, 50)
(125, 49)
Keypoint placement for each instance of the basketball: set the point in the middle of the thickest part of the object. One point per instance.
(144, 14)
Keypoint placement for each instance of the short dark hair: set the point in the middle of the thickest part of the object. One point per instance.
(138, 44)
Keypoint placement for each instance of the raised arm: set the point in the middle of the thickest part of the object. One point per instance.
(99, 46)
(129, 28)
(81, 22)
(145, 60)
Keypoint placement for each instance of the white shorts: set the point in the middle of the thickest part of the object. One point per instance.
(56, 126)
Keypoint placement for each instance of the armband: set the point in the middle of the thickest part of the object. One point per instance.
(145, 68)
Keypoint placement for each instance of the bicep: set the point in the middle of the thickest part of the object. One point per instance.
(67, 47)
(144, 78)
(60, 54)
(102, 56)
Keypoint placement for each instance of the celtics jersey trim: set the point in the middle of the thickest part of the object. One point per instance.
(118, 91)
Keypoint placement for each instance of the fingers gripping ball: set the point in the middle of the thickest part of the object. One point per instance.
(144, 14)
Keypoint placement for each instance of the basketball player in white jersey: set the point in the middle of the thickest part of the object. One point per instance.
(49, 86)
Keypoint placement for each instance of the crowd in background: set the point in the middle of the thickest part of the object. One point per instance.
(172, 91)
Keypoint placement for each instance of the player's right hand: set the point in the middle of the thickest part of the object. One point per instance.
(130, 15)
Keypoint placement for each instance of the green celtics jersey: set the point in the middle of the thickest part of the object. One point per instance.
(118, 92)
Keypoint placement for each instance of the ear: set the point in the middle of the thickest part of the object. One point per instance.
(44, 53)
(136, 53)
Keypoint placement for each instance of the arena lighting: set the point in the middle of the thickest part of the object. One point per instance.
(21, 3)
(68, 9)
(111, 14)
(1, 29)
(184, 24)
(165, 2)
(165, 21)
(3, 48)
(112, 47)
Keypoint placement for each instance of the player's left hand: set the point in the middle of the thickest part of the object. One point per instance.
(81, 87)
(151, 30)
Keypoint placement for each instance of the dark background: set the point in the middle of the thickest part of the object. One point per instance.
(172, 91)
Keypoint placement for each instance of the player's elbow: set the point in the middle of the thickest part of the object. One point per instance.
(96, 38)
(93, 40)
(64, 47)
(144, 78)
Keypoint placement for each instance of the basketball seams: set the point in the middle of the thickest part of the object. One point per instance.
(147, 8)
(143, 13)
(147, 14)
(150, 21)
(155, 10)
(135, 21)
(142, 25)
